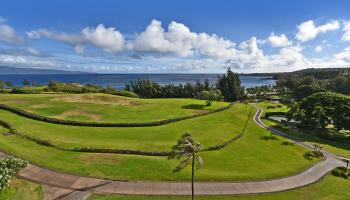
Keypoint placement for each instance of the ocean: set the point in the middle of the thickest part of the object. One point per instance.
(118, 81)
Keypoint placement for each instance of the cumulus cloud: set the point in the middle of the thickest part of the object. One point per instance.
(308, 30)
(14, 60)
(178, 39)
(9, 35)
(108, 39)
(346, 29)
(279, 40)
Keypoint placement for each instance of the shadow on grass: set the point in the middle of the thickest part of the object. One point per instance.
(270, 137)
(194, 106)
(285, 143)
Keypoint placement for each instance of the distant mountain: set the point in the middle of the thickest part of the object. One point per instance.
(18, 70)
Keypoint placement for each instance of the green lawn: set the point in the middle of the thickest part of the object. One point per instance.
(256, 156)
(106, 108)
(20, 189)
(210, 130)
(330, 188)
(336, 147)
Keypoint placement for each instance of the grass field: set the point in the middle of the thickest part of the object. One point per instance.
(106, 108)
(330, 188)
(256, 156)
(336, 147)
(159, 138)
(20, 189)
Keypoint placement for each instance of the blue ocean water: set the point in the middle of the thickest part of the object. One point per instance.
(119, 80)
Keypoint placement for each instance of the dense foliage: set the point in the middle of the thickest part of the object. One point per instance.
(147, 88)
(229, 85)
(56, 86)
(302, 86)
(9, 167)
(322, 109)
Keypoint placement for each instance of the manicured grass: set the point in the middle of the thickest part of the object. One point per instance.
(20, 189)
(332, 188)
(336, 147)
(210, 130)
(270, 106)
(256, 156)
(106, 108)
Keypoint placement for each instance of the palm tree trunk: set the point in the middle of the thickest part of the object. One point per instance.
(192, 185)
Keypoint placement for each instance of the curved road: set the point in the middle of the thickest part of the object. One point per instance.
(65, 186)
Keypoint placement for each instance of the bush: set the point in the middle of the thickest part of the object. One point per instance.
(310, 155)
(342, 172)
(9, 167)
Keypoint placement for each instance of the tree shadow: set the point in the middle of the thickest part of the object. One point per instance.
(270, 137)
(194, 106)
(285, 143)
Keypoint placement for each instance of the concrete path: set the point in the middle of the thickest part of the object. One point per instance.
(70, 187)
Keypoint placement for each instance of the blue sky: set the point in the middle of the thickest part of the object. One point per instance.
(180, 36)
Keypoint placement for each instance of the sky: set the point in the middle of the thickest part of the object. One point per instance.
(182, 36)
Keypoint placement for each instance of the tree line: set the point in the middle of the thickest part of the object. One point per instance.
(228, 87)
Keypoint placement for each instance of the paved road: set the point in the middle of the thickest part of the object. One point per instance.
(70, 187)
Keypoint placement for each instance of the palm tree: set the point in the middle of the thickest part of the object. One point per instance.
(187, 150)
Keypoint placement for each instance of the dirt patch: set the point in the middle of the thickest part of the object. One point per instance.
(39, 106)
(100, 158)
(96, 99)
(77, 113)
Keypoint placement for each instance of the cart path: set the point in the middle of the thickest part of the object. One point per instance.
(59, 185)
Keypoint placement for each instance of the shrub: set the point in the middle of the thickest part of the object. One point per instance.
(9, 167)
(310, 155)
(342, 172)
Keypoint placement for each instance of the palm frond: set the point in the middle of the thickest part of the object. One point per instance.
(183, 164)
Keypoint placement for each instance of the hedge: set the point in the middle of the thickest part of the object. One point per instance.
(268, 114)
(34, 116)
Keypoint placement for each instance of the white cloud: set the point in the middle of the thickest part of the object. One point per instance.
(318, 48)
(308, 30)
(180, 41)
(9, 35)
(14, 60)
(108, 39)
(279, 40)
(33, 51)
(346, 29)
(79, 49)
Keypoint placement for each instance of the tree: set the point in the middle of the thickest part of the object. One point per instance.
(8, 84)
(230, 86)
(305, 91)
(25, 82)
(210, 96)
(2, 84)
(322, 109)
(187, 151)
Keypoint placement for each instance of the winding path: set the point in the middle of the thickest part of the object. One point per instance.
(70, 187)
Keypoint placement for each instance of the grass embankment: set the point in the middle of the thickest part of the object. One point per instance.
(255, 156)
(336, 147)
(329, 188)
(106, 108)
(20, 189)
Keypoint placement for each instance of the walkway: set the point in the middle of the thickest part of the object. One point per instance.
(70, 187)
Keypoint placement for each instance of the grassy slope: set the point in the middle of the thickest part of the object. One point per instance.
(106, 108)
(20, 189)
(336, 147)
(253, 157)
(330, 188)
(204, 129)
